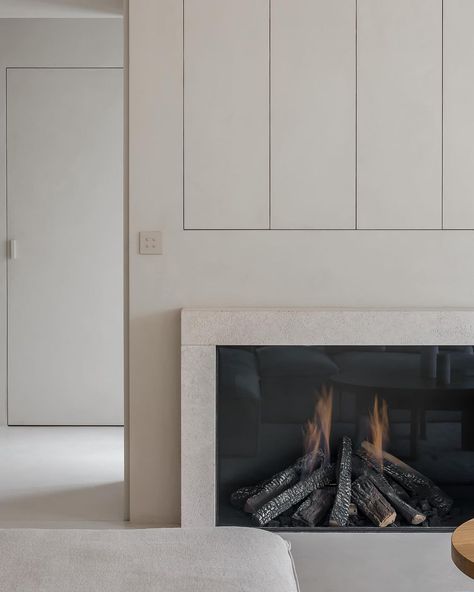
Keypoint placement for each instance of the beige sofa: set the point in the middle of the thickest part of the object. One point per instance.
(151, 560)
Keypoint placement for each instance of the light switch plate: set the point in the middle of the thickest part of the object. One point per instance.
(150, 242)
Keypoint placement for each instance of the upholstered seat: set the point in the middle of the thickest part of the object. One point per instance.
(152, 560)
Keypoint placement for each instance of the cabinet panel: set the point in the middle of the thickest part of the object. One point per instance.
(313, 113)
(399, 102)
(226, 113)
(458, 114)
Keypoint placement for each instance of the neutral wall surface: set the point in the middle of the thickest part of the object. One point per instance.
(234, 268)
(61, 8)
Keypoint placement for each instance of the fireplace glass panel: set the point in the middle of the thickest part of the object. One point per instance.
(266, 395)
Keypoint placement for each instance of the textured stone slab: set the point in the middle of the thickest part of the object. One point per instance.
(327, 326)
(204, 329)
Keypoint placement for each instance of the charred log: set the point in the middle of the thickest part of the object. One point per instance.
(352, 510)
(272, 488)
(239, 497)
(364, 464)
(293, 495)
(410, 514)
(399, 490)
(361, 463)
(340, 510)
(372, 503)
(277, 484)
(367, 461)
(313, 510)
(425, 505)
(413, 481)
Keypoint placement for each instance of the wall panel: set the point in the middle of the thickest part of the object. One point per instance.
(399, 113)
(458, 114)
(313, 113)
(226, 113)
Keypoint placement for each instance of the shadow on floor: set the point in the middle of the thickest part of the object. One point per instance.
(93, 503)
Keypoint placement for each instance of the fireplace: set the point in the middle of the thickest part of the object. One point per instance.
(250, 384)
(345, 436)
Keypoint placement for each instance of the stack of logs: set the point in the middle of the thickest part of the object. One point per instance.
(359, 489)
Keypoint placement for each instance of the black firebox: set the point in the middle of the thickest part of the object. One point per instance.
(417, 475)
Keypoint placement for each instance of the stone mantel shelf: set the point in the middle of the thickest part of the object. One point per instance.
(202, 329)
(326, 326)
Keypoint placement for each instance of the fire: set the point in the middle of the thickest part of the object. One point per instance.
(318, 431)
(379, 428)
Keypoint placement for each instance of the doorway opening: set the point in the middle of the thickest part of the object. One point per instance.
(62, 286)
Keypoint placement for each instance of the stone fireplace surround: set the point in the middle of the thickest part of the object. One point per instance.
(380, 560)
(204, 329)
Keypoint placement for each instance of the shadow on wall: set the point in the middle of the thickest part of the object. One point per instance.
(107, 7)
(155, 344)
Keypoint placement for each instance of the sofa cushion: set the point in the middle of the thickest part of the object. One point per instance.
(152, 560)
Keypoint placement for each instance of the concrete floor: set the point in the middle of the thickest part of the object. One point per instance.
(61, 475)
(376, 562)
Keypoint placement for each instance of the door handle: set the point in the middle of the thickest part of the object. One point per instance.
(12, 249)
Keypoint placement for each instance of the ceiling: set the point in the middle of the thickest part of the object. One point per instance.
(60, 8)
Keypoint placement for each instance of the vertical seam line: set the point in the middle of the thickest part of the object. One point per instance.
(269, 114)
(442, 114)
(356, 181)
(183, 133)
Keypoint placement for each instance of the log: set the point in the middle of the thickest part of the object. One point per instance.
(313, 510)
(239, 497)
(372, 503)
(425, 505)
(352, 510)
(310, 462)
(340, 510)
(410, 514)
(367, 462)
(413, 481)
(364, 464)
(272, 488)
(293, 495)
(360, 464)
(399, 490)
(276, 484)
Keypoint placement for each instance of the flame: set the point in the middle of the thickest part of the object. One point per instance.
(318, 430)
(379, 428)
